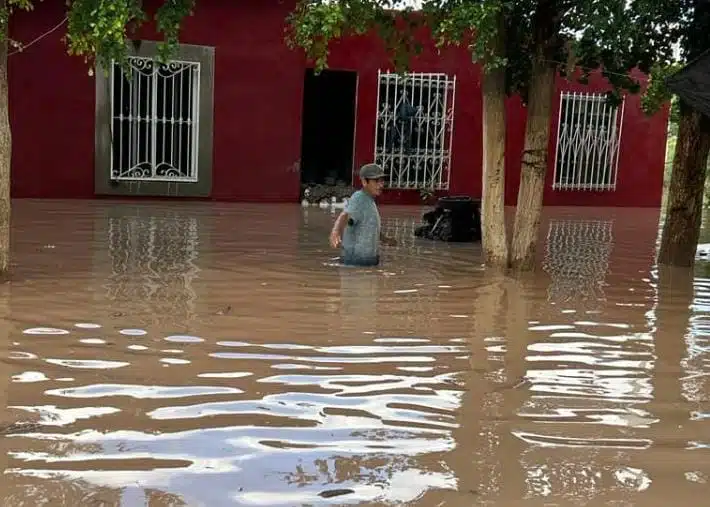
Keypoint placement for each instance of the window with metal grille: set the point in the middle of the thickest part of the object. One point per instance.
(155, 120)
(588, 138)
(415, 121)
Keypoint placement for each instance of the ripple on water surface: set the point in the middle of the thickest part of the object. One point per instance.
(252, 425)
(204, 355)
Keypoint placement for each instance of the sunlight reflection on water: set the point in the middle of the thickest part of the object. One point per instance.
(203, 354)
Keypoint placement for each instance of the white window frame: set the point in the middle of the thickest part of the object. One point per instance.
(588, 140)
(142, 112)
(427, 102)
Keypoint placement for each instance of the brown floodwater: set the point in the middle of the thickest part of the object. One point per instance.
(202, 354)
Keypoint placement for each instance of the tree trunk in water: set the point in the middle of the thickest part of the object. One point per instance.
(495, 242)
(5, 156)
(534, 166)
(684, 206)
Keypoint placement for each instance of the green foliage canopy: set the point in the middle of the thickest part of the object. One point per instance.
(614, 36)
(99, 30)
(687, 23)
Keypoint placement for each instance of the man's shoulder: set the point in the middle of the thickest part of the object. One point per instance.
(357, 199)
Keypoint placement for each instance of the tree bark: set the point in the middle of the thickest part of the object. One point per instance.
(534, 166)
(684, 205)
(5, 156)
(494, 237)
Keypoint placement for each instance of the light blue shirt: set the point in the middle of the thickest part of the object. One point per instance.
(361, 239)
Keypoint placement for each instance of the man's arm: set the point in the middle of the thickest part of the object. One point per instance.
(336, 234)
(351, 215)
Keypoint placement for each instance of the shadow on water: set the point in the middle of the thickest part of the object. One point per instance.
(201, 354)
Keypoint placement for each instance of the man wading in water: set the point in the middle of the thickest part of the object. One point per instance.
(357, 228)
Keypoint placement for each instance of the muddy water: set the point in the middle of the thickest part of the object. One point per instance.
(200, 354)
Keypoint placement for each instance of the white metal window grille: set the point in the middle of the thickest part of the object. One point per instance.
(154, 129)
(588, 139)
(577, 259)
(415, 123)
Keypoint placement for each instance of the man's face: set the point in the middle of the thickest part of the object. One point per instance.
(373, 187)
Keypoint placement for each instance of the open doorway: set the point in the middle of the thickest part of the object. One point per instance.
(328, 128)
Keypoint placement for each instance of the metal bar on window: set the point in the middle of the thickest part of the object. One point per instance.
(168, 148)
(555, 173)
(195, 117)
(112, 91)
(154, 121)
(413, 120)
(587, 133)
(618, 142)
(450, 129)
(604, 138)
(568, 127)
(588, 142)
(595, 159)
(576, 133)
(421, 84)
(438, 169)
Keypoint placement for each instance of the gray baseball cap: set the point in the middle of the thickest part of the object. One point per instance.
(371, 172)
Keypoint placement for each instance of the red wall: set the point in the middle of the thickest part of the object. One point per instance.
(257, 96)
(641, 158)
(257, 117)
(51, 110)
(366, 55)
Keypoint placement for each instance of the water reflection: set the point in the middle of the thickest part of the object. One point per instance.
(202, 354)
(577, 259)
(153, 261)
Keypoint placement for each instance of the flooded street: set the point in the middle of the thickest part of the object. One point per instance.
(207, 354)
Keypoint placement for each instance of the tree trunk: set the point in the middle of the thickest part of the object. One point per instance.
(684, 205)
(534, 166)
(5, 156)
(494, 237)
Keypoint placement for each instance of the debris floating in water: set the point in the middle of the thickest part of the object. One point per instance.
(330, 493)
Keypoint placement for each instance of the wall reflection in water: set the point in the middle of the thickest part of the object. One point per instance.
(265, 375)
(577, 259)
(153, 262)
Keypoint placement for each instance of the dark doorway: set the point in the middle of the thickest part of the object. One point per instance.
(328, 128)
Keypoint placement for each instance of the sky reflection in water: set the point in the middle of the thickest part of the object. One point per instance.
(206, 354)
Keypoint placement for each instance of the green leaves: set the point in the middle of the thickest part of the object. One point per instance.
(315, 23)
(657, 93)
(613, 36)
(471, 23)
(99, 30)
(6, 8)
(168, 19)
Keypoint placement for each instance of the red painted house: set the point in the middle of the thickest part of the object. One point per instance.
(239, 116)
